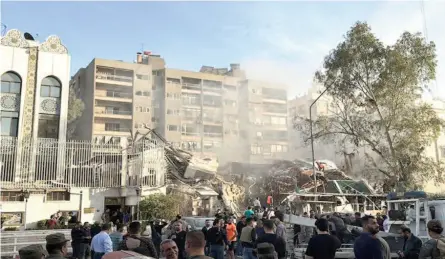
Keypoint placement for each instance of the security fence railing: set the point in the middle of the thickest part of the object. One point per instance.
(48, 163)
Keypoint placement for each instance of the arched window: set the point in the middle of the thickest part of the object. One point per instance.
(11, 83)
(9, 120)
(50, 87)
(49, 123)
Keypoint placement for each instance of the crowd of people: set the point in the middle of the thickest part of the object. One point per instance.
(248, 237)
(368, 245)
(259, 233)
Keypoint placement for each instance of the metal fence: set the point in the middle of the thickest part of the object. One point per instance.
(12, 241)
(48, 163)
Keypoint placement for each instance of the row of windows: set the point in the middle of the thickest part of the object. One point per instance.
(258, 149)
(173, 112)
(48, 126)
(12, 83)
(142, 93)
(173, 96)
(50, 196)
(196, 145)
(267, 120)
(142, 109)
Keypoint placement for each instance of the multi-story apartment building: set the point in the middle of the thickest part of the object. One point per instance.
(198, 111)
(217, 113)
(210, 113)
(117, 97)
(263, 121)
(34, 86)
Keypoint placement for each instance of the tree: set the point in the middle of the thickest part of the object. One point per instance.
(376, 103)
(75, 110)
(159, 206)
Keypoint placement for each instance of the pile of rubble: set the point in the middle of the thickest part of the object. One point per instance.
(282, 178)
(247, 181)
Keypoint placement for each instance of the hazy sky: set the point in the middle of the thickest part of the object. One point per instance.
(276, 41)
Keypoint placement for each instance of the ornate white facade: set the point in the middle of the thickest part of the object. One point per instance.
(35, 87)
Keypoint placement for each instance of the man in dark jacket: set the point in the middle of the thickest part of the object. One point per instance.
(297, 230)
(357, 220)
(78, 235)
(179, 237)
(217, 238)
(239, 227)
(272, 238)
(204, 230)
(340, 227)
(411, 245)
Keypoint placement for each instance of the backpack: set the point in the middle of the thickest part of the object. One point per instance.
(440, 247)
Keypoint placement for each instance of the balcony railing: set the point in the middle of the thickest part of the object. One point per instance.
(184, 133)
(114, 94)
(118, 129)
(109, 111)
(191, 86)
(103, 76)
(50, 164)
(213, 134)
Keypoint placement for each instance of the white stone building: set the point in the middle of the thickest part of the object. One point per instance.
(34, 87)
(43, 173)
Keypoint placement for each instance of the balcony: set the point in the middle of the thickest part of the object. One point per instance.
(112, 113)
(190, 133)
(114, 79)
(213, 134)
(191, 87)
(113, 131)
(191, 102)
(113, 96)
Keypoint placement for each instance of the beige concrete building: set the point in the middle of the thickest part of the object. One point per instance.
(198, 111)
(118, 99)
(213, 113)
(263, 121)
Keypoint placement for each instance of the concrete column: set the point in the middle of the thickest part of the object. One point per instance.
(25, 161)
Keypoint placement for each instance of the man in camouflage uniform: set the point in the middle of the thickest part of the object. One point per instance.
(32, 252)
(57, 246)
(433, 248)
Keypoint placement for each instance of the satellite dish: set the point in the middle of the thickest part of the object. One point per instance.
(28, 36)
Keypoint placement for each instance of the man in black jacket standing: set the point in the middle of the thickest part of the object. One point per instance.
(411, 245)
(178, 236)
(217, 238)
(78, 236)
(204, 230)
(272, 238)
(239, 227)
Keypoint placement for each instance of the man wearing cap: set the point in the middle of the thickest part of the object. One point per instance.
(56, 245)
(32, 252)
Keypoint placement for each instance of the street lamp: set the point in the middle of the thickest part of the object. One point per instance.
(312, 137)
(26, 196)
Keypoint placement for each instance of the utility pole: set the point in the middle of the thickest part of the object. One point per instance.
(312, 137)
